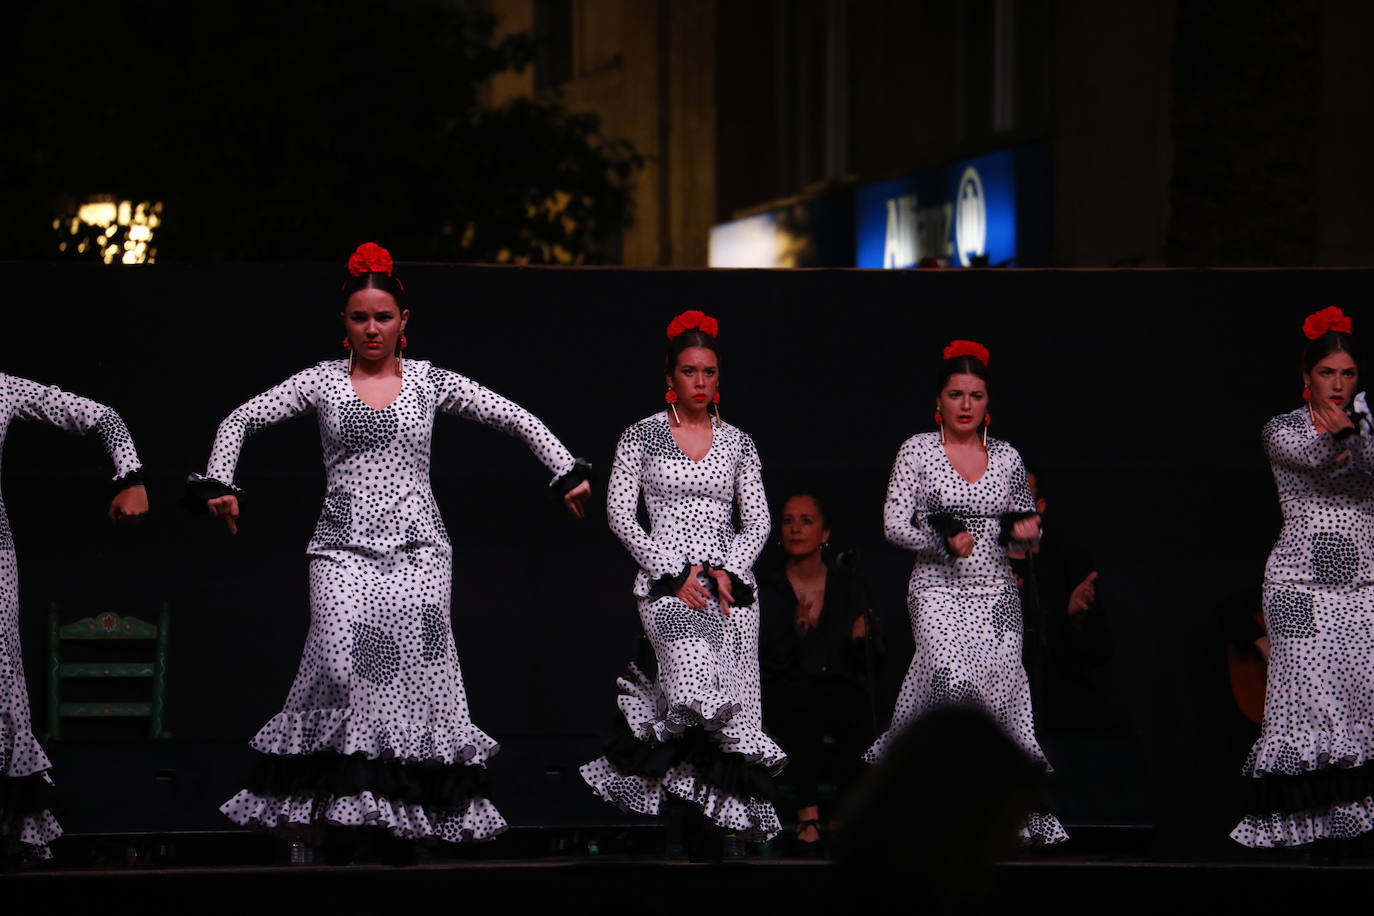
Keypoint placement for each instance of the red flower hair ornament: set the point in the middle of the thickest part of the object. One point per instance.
(972, 348)
(1328, 319)
(370, 258)
(693, 320)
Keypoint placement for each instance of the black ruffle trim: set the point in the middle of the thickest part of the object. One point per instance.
(581, 471)
(666, 585)
(744, 594)
(730, 773)
(1317, 790)
(326, 773)
(128, 479)
(1008, 520)
(200, 489)
(946, 525)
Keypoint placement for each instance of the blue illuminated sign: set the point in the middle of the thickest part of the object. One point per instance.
(961, 215)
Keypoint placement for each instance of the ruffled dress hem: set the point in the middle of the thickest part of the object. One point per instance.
(1298, 804)
(1042, 829)
(341, 731)
(476, 821)
(27, 826)
(1297, 828)
(707, 759)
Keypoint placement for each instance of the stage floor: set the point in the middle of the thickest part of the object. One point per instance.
(580, 881)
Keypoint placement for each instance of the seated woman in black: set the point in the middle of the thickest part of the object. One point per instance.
(815, 655)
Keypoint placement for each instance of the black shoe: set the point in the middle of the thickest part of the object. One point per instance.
(815, 849)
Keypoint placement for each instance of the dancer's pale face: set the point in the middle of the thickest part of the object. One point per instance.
(695, 378)
(963, 402)
(802, 527)
(374, 323)
(1334, 379)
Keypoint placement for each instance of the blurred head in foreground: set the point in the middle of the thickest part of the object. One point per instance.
(948, 799)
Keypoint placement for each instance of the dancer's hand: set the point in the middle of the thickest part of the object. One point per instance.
(130, 504)
(227, 508)
(961, 545)
(723, 590)
(1329, 417)
(1028, 529)
(575, 498)
(691, 593)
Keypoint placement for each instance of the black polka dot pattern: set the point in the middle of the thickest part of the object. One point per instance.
(435, 633)
(681, 622)
(965, 612)
(1290, 614)
(1334, 558)
(21, 756)
(379, 675)
(1006, 614)
(336, 518)
(945, 691)
(363, 429)
(374, 653)
(1319, 611)
(708, 667)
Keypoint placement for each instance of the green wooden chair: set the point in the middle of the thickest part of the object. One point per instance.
(109, 628)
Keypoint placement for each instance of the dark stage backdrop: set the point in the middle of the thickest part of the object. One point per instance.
(1140, 394)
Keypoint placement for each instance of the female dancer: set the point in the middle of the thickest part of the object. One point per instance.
(961, 502)
(26, 825)
(376, 729)
(1312, 759)
(816, 658)
(696, 732)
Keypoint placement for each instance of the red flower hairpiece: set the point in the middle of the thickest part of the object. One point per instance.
(1328, 319)
(972, 348)
(694, 319)
(370, 258)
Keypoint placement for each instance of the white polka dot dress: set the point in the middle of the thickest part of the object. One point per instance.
(1314, 779)
(26, 824)
(696, 732)
(965, 612)
(375, 730)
